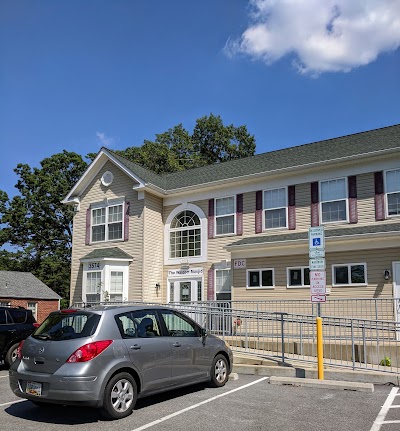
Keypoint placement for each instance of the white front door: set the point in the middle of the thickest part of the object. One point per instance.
(396, 292)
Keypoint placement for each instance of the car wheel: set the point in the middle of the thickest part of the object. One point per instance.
(11, 355)
(120, 396)
(219, 371)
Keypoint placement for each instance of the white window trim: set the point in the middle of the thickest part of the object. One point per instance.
(34, 310)
(349, 265)
(225, 215)
(277, 208)
(386, 194)
(346, 199)
(107, 204)
(203, 232)
(105, 268)
(260, 271)
(302, 286)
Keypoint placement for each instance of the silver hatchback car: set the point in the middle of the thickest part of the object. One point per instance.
(108, 356)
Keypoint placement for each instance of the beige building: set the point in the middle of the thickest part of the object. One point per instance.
(239, 230)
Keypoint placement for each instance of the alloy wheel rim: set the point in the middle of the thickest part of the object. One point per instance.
(122, 395)
(220, 370)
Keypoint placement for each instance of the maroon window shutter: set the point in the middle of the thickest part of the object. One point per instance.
(126, 221)
(239, 214)
(292, 207)
(314, 204)
(353, 212)
(87, 236)
(259, 204)
(210, 285)
(379, 197)
(211, 218)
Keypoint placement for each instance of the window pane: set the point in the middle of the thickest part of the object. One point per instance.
(225, 206)
(99, 216)
(275, 218)
(185, 243)
(254, 278)
(177, 326)
(333, 190)
(275, 198)
(295, 277)
(225, 225)
(393, 204)
(93, 297)
(98, 233)
(267, 279)
(333, 211)
(341, 275)
(357, 274)
(393, 181)
(223, 280)
(115, 213)
(115, 231)
(93, 282)
(185, 219)
(306, 276)
(116, 282)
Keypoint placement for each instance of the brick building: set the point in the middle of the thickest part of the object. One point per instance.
(23, 289)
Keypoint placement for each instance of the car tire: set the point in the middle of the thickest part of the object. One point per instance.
(11, 355)
(219, 371)
(120, 396)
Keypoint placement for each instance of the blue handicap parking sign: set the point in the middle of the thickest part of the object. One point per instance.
(316, 242)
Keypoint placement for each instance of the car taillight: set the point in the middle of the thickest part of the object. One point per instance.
(36, 325)
(19, 348)
(89, 351)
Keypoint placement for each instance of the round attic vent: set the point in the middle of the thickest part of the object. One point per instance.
(107, 178)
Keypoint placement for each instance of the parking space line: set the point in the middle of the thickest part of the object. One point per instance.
(380, 419)
(12, 402)
(158, 421)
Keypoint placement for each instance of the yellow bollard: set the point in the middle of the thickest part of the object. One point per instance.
(320, 350)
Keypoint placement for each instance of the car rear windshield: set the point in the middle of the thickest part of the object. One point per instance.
(59, 326)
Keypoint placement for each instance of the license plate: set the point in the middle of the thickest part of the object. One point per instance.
(34, 388)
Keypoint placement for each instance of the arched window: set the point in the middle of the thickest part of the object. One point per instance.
(185, 235)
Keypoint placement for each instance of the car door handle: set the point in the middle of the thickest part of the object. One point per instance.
(177, 344)
(136, 347)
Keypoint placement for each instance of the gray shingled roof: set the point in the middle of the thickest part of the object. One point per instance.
(329, 233)
(15, 284)
(330, 149)
(110, 253)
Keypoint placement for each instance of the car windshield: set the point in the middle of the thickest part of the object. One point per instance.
(59, 326)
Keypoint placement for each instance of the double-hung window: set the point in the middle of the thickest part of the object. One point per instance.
(275, 208)
(348, 274)
(223, 284)
(392, 181)
(107, 223)
(260, 278)
(298, 277)
(116, 286)
(334, 200)
(225, 215)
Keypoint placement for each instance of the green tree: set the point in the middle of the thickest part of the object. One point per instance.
(176, 149)
(37, 228)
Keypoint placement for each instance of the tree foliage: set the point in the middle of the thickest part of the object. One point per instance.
(177, 150)
(37, 228)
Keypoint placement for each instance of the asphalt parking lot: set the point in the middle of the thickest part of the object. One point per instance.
(249, 403)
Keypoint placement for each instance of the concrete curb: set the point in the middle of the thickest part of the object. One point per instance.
(322, 384)
(372, 377)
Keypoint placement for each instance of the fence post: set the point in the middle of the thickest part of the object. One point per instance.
(282, 335)
(352, 345)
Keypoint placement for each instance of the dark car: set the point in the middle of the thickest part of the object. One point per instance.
(108, 356)
(15, 325)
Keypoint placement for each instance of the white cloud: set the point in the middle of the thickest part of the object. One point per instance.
(322, 35)
(104, 140)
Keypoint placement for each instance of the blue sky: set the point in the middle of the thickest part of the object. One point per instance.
(80, 74)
